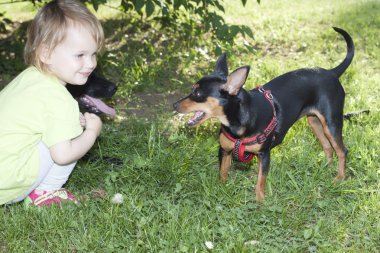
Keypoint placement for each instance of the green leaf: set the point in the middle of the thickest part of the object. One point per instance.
(177, 4)
(149, 8)
(219, 6)
(138, 4)
(307, 233)
(247, 31)
(126, 5)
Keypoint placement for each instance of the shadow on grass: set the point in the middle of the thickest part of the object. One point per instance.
(139, 55)
(151, 64)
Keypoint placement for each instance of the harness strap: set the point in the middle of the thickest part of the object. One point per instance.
(239, 152)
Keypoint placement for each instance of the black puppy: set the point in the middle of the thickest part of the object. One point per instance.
(255, 121)
(89, 94)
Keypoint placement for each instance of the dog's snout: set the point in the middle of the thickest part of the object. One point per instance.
(112, 89)
(175, 105)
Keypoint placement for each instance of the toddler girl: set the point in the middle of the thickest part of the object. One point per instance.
(42, 132)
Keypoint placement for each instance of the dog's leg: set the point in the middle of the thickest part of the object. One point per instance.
(317, 128)
(337, 142)
(332, 128)
(225, 159)
(264, 160)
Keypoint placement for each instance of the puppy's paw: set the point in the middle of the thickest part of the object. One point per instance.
(260, 195)
(339, 178)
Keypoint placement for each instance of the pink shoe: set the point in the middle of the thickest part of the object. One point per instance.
(44, 198)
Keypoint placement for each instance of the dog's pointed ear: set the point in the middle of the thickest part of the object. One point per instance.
(221, 66)
(236, 80)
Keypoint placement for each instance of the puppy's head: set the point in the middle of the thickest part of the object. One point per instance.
(212, 94)
(90, 94)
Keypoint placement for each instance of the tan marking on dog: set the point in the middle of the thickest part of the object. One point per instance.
(253, 148)
(241, 131)
(336, 144)
(225, 166)
(260, 184)
(196, 85)
(217, 111)
(186, 106)
(225, 143)
(317, 128)
(226, 161)
(211, 107)
(229, 145)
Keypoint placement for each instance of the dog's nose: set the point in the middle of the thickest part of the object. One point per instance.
(175, 105)
(113, 89)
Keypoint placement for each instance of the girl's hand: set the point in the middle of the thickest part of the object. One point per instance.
(82, 120)
(92, 123)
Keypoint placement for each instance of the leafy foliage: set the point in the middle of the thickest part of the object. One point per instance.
(205, 15)
(4, 22)
(170, 12)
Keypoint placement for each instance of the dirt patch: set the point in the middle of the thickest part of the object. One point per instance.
(150, 105)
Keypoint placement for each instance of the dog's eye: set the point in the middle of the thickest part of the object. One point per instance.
(197, 93)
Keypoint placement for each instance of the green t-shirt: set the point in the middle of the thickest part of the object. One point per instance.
(34, 107)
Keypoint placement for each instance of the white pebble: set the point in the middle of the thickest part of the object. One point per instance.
(209, 245)
(118, 198)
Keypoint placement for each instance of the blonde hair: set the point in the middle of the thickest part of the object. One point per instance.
(49, 27)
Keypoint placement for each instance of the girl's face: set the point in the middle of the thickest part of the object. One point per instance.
(73, 60)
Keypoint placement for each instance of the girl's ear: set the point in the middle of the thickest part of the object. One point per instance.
(44, 54)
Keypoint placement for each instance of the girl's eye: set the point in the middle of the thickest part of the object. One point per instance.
(79, 55)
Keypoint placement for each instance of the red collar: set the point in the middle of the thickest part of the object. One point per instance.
(239, 151)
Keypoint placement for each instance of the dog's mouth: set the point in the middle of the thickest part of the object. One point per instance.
(95, 105)
(196, 118)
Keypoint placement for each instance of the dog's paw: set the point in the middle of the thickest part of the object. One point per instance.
(260, 195)
(339, 178)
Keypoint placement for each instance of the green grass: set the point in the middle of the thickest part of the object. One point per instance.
(173, 201)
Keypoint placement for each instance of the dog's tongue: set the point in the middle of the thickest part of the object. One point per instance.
(195, 118)
(101, 106)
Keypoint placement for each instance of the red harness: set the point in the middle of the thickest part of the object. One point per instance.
(239, 151)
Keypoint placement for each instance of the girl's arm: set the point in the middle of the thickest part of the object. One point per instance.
(72, 150)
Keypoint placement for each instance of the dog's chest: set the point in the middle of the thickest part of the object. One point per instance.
(228, 145)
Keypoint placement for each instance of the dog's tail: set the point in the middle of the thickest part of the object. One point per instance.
(338, 70)
(349, 115)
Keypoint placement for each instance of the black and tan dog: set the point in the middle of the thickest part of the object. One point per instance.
(90, 95)
(255, 121)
